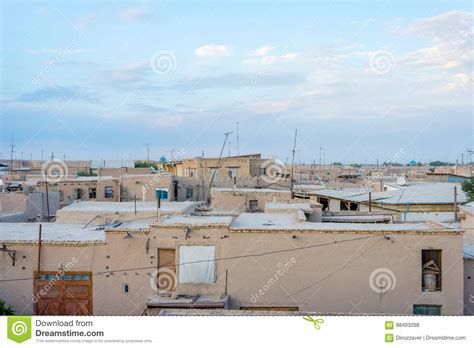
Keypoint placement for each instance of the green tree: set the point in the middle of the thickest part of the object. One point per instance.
(145, 164)
(85, 173)
(6, 310)
(468, 188)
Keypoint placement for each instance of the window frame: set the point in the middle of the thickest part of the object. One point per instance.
(439, 278)
(94, 191)
(426, 306)
(108, 195)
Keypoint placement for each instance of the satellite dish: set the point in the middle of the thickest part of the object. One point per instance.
(401, 181)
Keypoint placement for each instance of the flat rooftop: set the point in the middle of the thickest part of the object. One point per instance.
(123, 207)
(242, 189)
(306, 207)
(431, 193)
(262, 222)
(23, 233)
(175, 220)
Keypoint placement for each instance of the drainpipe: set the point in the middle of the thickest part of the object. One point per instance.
(39, 250)
(455, 203)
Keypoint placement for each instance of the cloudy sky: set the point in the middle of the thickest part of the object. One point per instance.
(366, 80)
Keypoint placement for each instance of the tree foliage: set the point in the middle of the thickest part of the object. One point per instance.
(468, 188)
(6, 310)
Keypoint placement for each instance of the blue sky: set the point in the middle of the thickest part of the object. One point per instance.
(366, 80)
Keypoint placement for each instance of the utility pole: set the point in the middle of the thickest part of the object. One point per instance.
(217, 166)
(148, 152)
(470, 152)
(172, 155)
(321, 150)
(370, 202)
(230, 142)
(12, 145)
(293, 165)
(238, 141)
(47, 193)
(462, 159)
(455, 203)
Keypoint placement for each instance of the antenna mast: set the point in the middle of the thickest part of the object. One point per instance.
(217, 166)
(293, 164)
(238, 143)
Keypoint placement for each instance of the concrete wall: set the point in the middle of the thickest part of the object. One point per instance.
(336, 276)
(67, 189)
(25, 207)
(144, 187)
(238, 200)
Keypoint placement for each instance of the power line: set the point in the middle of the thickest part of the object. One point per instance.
(317, 282)
(222, 258)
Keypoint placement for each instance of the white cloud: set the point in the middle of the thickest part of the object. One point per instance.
(458, 82)
(262, 51)
(289, 56)
(213, 51)
(451, 36)
(272, 59)
(84, 21)
(134, 14)
(363, 23)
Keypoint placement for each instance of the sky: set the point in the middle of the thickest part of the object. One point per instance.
(361, 81)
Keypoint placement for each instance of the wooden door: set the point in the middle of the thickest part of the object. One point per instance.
(63, 294)
(166, 280)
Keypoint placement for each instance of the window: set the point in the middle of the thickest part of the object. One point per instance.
(431, 270)
(61, 196)
(161, 193)
(349, 206)
(108, 192)
(253, 205)
(324, 202)
(197, 272)
(125, 288)
(92, 192)
(78, 193)
(189, 192)
(232, 172)
(427, 309)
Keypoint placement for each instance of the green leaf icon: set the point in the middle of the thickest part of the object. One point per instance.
(19, 328)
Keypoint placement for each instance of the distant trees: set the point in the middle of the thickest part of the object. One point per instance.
(440, 163)
(85, 173)
(392, 164)
(145, 164)
(468, 188)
